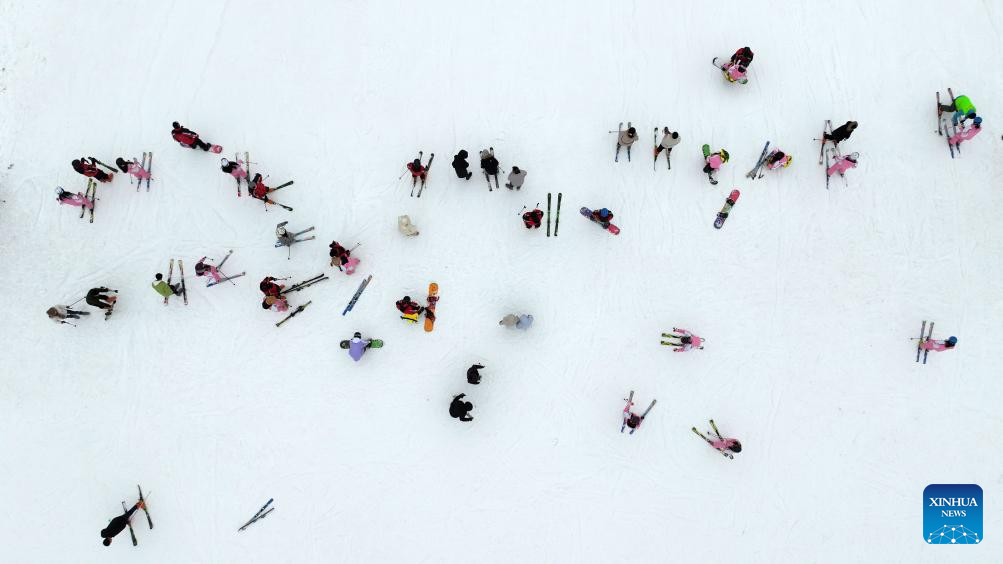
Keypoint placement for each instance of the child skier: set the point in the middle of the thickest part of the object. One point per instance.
(118, 524)
(489, 165)
(687, 340)
(164, 289)
(722, 444)
(188, 138)
(967, 134)
(473, 376)
(963, 109)
(410, 311)
(939, 346)
(843, 164)
(713, 163)
(342, 258)
(460, 409)
(133, 167)
(234, 169)
(418, 171)
(669, 140)
(778, 159)
(90, 169)
(516, 178)
(625, 139)
(202, 268)
(533, 219)
(278, 303)
(77, 199)
(259, 191)
(59, 314)
(460, 165)
(631, 419)
(97, 298)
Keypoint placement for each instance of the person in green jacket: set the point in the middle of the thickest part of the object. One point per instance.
(164, 289)
(962, 107)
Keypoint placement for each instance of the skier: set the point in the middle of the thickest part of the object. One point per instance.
(342, 257)
(714, 162)
(722, 444)
(405, 226)
(460, 165)
(841, 133)
(269, 288)
(533, 219)
(939, 346)
(411, 311)
(133, 167)
(60, 314)
(188, 138)
(473, 376)
(460, 409)
(603, 217)
(778, 159)
(278, 302)
(164, 289)
(967, 134)
(417, 171)
(489, 164)
(523, 321)
(843, 164)
(97, 298)
(687, 340)
(743, 57)
(77, 199)
(118, 524)
(516, 178)
(631, 419)
(204, 269)
(357, 346)
(259, 191)
(625, 139)
(90, 169)
(963, 109)
(234, 169)
(669, 140)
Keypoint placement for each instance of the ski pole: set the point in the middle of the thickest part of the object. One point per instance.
(67, 323)
(520, 211)
(75, 303)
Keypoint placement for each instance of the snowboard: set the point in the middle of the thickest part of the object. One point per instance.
(433, 298)
(706, 153)
(723, 214)
(374, 344)
(612, 228)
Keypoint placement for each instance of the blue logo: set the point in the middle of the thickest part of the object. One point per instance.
(952, 514)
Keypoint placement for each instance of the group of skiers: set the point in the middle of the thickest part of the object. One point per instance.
(458, 407)
(490, 167)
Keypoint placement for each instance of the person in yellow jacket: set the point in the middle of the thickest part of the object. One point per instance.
(164, 289)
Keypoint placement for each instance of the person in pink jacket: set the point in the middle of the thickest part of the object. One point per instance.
(202, 268)
(132, 167)
(726, 444)
(939, 346)
(778, 159)
(234, 169)
(966, 134)
(72, 199)
(735, 73)
(843, 164)
(687, 340)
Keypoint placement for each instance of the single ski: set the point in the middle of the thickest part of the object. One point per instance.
(616, 156)
(149, 170)
(145, 509)
(293, 313)
(261, 513)
(919, 345)
(224, 279)
(184, 289)
(654, 139)
(433, 298)
(139, 181)
(821, 149)
(170, 274)
(940, 118)
(428, 167)
(132, 533)
(626, 410)
(94, 198)
(557, 220)
(929, 335)
(759, 162)
(548, 214)
(957, 146)
(728, 204)
(358, 293)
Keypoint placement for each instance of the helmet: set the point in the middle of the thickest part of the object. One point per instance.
(357, 335)
(406, 299)
(952, 340)
(176, 125)
(604, 213)
(724, 155)
(632, 131)
(790, 159)
(737, 447)
(978, 122)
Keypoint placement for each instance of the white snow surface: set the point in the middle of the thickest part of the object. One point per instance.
(807, 297)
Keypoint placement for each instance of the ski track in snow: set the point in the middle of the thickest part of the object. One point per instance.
(807, 297)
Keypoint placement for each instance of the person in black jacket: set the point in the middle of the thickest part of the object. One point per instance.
(460, 409)
(489, 164)
(118, 524)
(743, 57)
(460, 165)
(841, 133)
(473, 376)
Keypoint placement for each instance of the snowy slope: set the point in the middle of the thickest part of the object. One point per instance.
(807, 297)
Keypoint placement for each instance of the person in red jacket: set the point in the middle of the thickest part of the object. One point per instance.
(188, 138)
(742, 57)
(90, 169)
(269, 287)
(533, 219)
(412, 310)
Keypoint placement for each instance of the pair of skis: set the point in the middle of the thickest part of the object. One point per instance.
(922, 339)
(557, 220)
(942, 126)
(149, 521)
(170, 275)
(710, 442)
(219, 268)
(297, 234)
(755, 172)
(616, 156)
(627, 414)
(90, 193)
(261, 514)
(668, 152)
(355, 297)
(247, 179)
(827, 129)
(146, 165)
(305, 284)
(428, 167)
